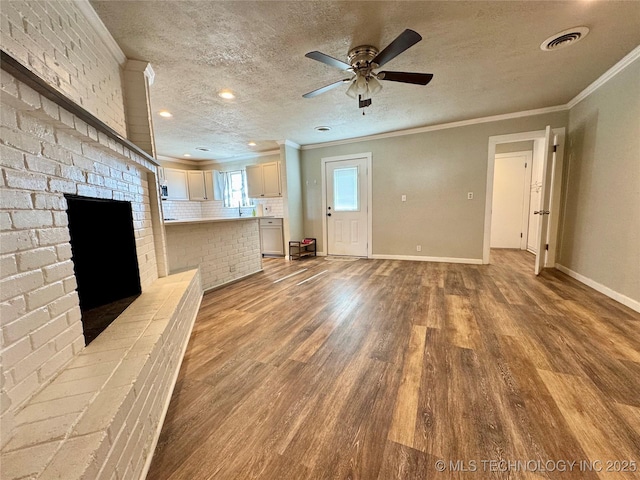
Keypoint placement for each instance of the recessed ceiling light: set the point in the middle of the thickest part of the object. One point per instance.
(564, 39)
(252, 144)
(165, 113)
(323, 128)
(202, 149)
(226, 94)
(187, 155)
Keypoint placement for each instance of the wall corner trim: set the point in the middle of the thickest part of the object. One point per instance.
(289, 143)
(618, 297)
(101, 30)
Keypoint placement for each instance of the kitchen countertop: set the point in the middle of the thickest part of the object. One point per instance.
(191, 221)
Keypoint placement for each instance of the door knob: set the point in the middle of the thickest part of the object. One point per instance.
(328, 214)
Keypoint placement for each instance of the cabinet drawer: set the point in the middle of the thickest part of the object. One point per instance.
(270, 222)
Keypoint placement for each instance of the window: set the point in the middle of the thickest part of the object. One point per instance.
(235, 189)
(345, 189)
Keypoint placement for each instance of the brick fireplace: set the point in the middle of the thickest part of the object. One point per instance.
(70, 410)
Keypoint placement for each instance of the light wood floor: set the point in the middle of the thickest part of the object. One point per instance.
(377, 369)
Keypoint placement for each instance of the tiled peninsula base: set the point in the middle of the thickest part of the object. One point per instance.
(225, 249)
(101, 417)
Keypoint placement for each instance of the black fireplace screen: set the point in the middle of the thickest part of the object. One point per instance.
(105, 260)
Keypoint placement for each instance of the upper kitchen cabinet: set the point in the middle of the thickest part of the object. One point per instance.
(177, 184)
(263, 180)
(197, 188)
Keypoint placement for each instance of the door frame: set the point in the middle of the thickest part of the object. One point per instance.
(524, 221)
(323, 186)
(556, 188)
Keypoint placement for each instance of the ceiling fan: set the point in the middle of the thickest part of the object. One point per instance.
(362, 61)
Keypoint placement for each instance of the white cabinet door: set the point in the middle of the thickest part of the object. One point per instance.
(264, 180)
(177, 184)
(271, 236)
(271, 179)
(208, 185)
(255, 188)
(197, 190)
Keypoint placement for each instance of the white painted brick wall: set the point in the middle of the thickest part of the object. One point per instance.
(56, 41)
(101, 417)
(41, 159)
(217, 247)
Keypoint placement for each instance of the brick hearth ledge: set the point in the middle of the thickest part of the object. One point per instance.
(101, 416)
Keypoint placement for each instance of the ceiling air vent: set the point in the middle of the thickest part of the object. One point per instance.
(564, 39)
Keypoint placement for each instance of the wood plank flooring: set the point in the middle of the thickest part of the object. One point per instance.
(379, 369)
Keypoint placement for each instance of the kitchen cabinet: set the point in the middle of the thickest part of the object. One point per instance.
(197, 188)
(263, 180)
(177, 184)
(271, 236)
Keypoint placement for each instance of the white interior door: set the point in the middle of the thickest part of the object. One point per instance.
(347, 205)
(509, 218)
(545, 199)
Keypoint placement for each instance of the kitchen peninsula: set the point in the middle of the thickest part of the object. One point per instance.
(225, 249)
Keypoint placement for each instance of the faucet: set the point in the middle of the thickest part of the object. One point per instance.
(239, 210)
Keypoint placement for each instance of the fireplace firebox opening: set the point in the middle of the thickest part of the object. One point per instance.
(105, 260)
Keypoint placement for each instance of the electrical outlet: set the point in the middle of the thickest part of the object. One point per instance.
(404, 198)
(232, 268)
(418, 248)
(469, 195)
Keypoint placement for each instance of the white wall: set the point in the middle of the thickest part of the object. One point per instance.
(600, 229)
(435, 170)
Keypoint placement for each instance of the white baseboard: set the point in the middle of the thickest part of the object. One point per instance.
(419, 258)
(618, 297)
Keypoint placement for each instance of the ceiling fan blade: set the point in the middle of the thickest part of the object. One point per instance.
(326, 88)
(326, 59)
(406, 77)
(405, 40)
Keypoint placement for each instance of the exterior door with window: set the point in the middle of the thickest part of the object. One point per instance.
(347, 209)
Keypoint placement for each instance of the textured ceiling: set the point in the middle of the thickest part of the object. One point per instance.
(485, 58)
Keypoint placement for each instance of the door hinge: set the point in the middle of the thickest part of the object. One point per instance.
(555, 148)
(525, 164)
(520, 234)
(546, 247)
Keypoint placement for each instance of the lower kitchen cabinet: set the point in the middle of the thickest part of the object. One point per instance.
(271, 236)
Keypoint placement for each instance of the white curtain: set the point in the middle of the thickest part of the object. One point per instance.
(235, 189)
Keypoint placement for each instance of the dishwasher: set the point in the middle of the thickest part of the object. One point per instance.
(271, 237)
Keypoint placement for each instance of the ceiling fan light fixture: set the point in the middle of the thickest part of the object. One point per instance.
(352, 91)
(373, 85)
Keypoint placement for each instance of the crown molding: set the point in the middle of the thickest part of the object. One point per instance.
(442, 126)
(164, 158)
(606, 76)
(246, 157)
(101, 30)
(289, 143)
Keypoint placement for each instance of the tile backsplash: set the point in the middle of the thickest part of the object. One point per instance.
(185, 210)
